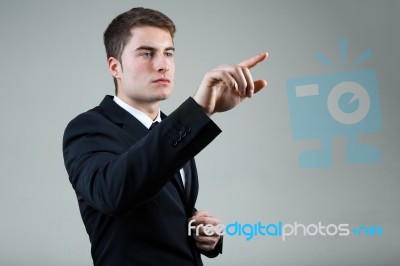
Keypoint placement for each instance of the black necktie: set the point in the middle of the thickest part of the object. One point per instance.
(153, 125)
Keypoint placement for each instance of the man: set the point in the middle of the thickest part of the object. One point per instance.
(136, 182)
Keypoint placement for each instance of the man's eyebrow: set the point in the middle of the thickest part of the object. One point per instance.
(149, 48)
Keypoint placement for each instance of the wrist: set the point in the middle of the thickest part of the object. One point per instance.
(202, 105)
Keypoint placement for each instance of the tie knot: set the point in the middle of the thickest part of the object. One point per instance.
(153, 125)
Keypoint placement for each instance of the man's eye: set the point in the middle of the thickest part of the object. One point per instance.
(149, 54)
(169, 54)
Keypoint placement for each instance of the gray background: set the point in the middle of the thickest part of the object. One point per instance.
(54, 67)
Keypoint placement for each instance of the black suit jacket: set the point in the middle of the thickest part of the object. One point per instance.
(132, 203)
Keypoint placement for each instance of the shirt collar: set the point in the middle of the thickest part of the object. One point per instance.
(142, 117)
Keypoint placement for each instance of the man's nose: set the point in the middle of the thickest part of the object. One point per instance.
(161, 64)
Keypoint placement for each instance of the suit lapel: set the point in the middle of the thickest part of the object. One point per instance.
(193, 187)
(136, 129)
(122, 118)
(177, 181)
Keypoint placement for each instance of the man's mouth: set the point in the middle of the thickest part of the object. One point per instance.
(162, 81)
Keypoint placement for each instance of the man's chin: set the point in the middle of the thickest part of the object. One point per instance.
(160, 98)
(164, 96)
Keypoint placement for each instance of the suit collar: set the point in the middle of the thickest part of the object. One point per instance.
(139, 115)
(122, 118)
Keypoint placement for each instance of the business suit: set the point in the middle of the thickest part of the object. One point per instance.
(131, 200)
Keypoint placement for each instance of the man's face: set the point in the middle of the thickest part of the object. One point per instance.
(147, 67)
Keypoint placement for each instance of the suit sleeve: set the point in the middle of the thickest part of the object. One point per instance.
(114, 179)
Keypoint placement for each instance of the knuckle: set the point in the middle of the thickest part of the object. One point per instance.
(206, 220)
(237, 68)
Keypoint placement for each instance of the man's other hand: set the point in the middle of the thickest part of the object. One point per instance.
(204, 241)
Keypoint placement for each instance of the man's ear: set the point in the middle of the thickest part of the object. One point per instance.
(114, 67)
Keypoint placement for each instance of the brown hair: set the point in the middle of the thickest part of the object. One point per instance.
(118, 33)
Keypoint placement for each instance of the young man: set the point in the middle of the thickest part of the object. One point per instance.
(136, 182)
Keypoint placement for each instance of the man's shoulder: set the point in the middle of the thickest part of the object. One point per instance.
(96, 114)
(93, 115)
(97, 118)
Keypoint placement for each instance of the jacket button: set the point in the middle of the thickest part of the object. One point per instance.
(173, 142)
(188, 129)
(182, 133)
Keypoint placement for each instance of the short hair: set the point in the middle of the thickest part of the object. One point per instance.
(118, 33)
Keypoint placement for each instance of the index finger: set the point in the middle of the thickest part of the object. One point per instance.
(253, 61)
